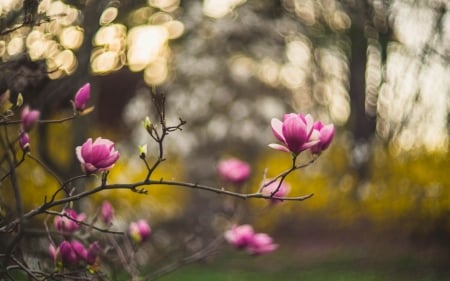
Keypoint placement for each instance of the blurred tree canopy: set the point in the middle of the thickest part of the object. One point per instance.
(377, 69)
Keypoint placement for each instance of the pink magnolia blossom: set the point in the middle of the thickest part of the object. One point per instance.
(99, 155)
(29, 118)
(240, 236)
(294, 132)
(244, 237)
(67, 253)
(79, 249)
(53, 252)
(24, 141)
(139, 231)
(261, 244)
(233, 170)
(66, 225)
(82, 97)
(269, 189)
(323, 133)
(107, 212)
(92, 253)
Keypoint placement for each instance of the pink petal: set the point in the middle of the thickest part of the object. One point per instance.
(279, 147)
(277, 129)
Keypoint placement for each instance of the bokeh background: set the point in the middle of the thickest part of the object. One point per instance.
(376, 69)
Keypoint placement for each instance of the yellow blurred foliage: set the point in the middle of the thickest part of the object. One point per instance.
(413, 188)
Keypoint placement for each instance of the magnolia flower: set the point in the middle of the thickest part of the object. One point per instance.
(233, 170)
(68, 254)
(24, 141)
(99, 155)
(29, 118)
(82, 97)
(269, 189)
(92, 253)
(53, 252)
(66, 225)
(139, 231)
(323, 133)
(107, 212)
(261, 244)
(294, 132)
(240, 236)
(244, 237)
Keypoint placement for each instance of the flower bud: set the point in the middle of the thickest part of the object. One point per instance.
(139, 231)
(92, 253)
(19, 100)
(29, 118)
(107, 212)
(82, 97)
(147, 124)
(5, 104)
(24, 141)
(143, 151)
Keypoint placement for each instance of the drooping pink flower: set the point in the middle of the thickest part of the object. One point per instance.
(29, 118)
(107, 212)
(79, 249)
(294, 132)
(24, 141)
(323, 133)
(139, 231)
(82, 97)
(261, 244)
(92, 253)
(96, 156)
(243, 237)
(66, 225)
(233, 170)
(269, 189)
(68, 254)
(240, 236)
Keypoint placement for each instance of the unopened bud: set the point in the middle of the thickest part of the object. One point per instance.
(19, 101)
(143, 150)
(147, 124)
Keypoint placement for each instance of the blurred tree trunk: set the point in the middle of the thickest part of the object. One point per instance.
(360, 123)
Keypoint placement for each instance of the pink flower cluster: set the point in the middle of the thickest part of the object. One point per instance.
(244, 237)
(299, 132)
(73, 252)
(233, 171)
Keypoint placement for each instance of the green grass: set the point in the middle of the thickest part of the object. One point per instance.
(336, 267)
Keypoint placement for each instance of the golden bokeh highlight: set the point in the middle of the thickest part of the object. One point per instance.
(145, 44)
(71, 37)
(220, 8)
(164, 5)
(15, 46)
(156, 72)
(109, 49)
(108, 15)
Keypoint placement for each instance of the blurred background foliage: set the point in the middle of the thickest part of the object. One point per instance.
(377, 69)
